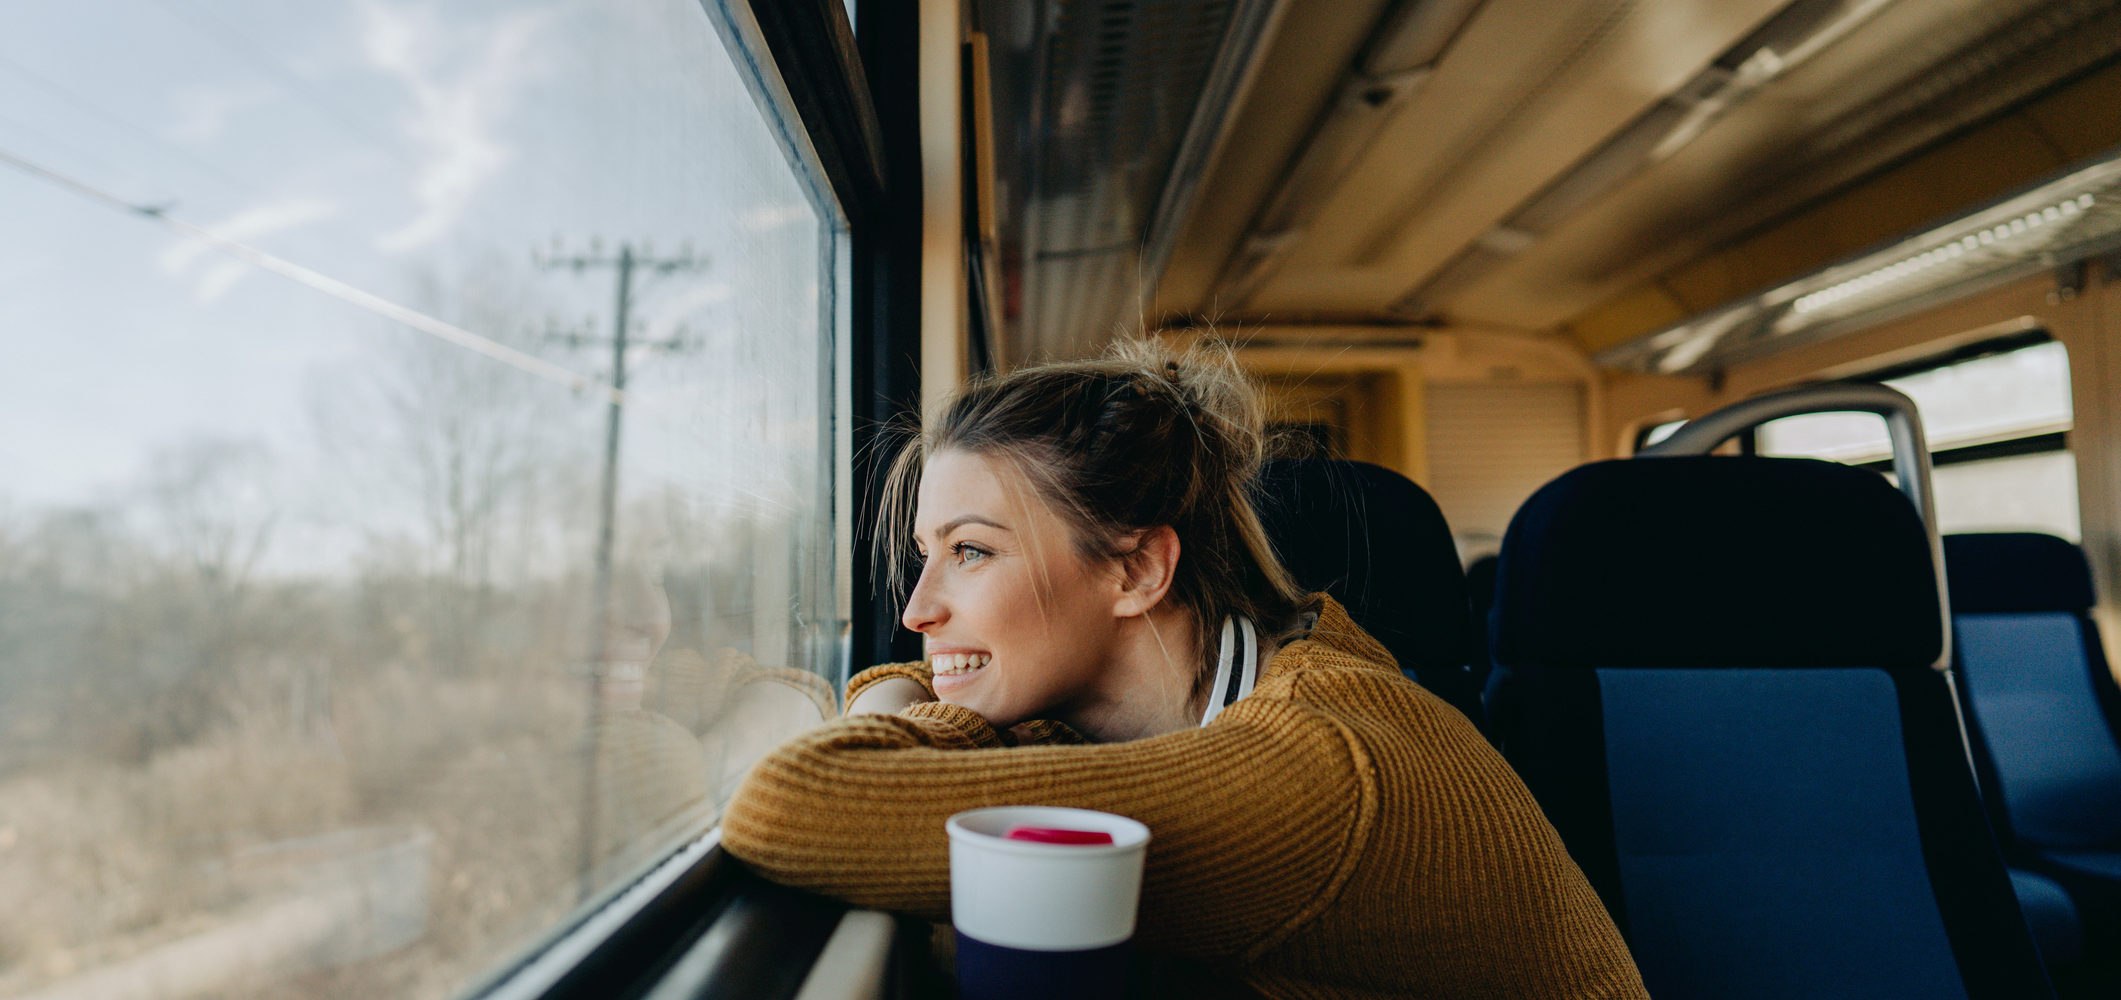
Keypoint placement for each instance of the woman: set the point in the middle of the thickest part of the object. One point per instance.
(1088, 541)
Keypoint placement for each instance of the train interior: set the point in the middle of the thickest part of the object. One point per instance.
(1718, 401)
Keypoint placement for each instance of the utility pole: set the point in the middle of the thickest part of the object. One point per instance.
(627, 262)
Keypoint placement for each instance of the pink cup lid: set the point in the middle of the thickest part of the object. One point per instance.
(1058, 835)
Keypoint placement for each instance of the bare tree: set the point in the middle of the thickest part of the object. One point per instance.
(467, 459)
(208, 499)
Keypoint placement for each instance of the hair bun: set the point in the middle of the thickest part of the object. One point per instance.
(1221, 401)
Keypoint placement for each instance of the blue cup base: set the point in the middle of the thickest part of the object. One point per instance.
(993, 972)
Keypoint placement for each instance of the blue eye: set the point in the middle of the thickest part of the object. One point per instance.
(968, 553)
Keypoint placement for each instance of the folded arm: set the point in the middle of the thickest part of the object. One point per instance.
(1253, 821)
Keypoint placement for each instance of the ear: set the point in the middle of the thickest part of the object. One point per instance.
(1146, 572)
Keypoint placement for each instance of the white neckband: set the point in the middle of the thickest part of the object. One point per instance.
(1235, 673)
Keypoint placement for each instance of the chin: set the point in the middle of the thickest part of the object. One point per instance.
(999, 718)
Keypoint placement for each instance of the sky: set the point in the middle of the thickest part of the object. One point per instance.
(418, 152)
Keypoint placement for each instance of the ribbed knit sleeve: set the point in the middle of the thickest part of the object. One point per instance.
(918, 673)
(1252, 820)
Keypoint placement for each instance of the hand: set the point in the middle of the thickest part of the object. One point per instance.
(888, 696)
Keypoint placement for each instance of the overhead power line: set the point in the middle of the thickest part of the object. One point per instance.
(206, 22)
(127, 125)
(328, 285)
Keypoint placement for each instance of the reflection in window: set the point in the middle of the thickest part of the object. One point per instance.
(1653, 435)
(350, 634)
(1997, 428)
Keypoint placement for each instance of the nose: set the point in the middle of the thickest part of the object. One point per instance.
(925, 608)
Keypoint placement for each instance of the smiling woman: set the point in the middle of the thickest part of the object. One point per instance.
(1093, 570)
(991, 579)
(1109, 472)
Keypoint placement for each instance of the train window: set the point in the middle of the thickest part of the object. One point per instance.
(1998, 432)
(2033, 492)
(420, 479)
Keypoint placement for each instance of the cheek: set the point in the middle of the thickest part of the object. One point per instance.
(1053, 638)
(1031, 612)
(1035, 638)
(1016, 606)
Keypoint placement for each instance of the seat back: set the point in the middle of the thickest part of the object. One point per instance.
(2039, 692)
(1725, 700)
(1379, 545)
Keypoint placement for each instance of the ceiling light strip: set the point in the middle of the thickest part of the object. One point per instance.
(2055, 223)
(1896, 273)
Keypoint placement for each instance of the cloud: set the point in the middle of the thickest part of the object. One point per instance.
(461, 83)
(247, 226)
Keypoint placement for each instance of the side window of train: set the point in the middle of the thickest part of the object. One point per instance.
(1998, 425)
(420, 477)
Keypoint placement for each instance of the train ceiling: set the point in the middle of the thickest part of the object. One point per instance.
(1598, 169)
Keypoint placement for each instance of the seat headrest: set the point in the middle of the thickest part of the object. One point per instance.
(2016, 571)
(1379, 545)
(1712, 562)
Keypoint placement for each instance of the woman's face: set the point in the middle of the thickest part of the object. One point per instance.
(1017, 623)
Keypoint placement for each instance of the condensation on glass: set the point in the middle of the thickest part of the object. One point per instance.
(353, 630)
(1989, 400)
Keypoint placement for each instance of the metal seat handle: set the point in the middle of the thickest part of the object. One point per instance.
(1911, 454)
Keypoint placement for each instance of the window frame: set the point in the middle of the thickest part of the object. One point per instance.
(2030, 444)
(1959, 355)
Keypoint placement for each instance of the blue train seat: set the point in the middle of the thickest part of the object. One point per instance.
(1726, 702)
(2041, 710)
(1376, 542)
(2051, 914)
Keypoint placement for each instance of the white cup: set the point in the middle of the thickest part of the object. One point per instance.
(1043, 919)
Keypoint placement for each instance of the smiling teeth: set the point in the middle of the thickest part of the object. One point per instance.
(958, 663)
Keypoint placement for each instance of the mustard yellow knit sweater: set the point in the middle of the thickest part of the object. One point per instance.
(1338, 833)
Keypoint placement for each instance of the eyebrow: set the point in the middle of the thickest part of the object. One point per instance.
(958, 522)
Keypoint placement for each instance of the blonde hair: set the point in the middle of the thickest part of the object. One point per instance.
(1142, 437)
